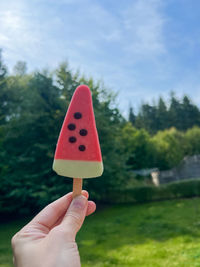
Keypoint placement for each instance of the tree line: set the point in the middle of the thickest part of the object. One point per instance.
(32, 109)
(181, 114)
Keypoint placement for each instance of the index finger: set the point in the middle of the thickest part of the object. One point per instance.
(51, 213)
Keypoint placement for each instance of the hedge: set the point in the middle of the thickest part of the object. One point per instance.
(182, 189)
(139, 194)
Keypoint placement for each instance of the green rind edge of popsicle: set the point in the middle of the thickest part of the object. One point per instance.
(78, 168)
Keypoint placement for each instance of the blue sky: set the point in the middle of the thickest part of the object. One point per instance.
(141, 48)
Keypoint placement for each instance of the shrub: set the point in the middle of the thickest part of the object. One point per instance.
(182, 189)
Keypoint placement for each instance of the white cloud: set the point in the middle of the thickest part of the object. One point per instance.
(16, 36)
(144, 23)
(124, 45)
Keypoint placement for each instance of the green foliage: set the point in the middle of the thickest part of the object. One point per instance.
(164, 150)
(162, 115)
(29, 143)
(147, 118)
(181, 189)
(35, 108)
(131, 116)
(169, 150)
(4, 95)
(181, 114)
(138, 147)
(192, 141)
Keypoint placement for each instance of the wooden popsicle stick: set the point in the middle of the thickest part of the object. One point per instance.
(77, 187)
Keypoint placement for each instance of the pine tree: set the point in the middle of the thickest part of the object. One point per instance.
(147, 118)
(175, 113)
(162, 115)
(3, 92)
(190, 114)
(132, 116)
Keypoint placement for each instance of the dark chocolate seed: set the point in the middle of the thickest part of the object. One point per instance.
(71, 126)
(83, 132)
(82, 148)
(72, 139)
(77, 115)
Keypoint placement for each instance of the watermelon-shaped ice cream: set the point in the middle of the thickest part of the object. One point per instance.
(78, 153)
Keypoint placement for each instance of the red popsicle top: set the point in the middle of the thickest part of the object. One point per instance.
(78, 138)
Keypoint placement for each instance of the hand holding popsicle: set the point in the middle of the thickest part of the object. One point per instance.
(49, 239)
(78, 153)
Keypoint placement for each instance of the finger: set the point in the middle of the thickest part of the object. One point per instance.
(91, 208)
(49, 216)
(74, 217)
(84, 193)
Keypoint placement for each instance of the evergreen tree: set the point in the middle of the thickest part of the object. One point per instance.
(190, 114)
(175, 112)
(162, 115)
(3, 92)
(132, 116)
(147, 118)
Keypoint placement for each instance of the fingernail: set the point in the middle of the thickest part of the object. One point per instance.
(79, 202)
(85, 193)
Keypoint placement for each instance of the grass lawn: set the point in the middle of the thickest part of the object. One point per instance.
(150, 235)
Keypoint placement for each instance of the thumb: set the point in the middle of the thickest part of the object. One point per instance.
(75, 216)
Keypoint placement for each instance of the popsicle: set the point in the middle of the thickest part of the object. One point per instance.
(78, 153)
